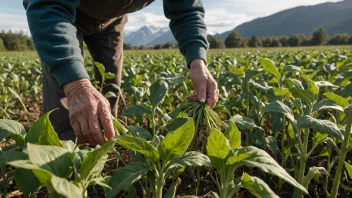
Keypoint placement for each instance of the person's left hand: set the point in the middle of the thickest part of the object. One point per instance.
(203, 83)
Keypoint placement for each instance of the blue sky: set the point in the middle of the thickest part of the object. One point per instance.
(221, 15)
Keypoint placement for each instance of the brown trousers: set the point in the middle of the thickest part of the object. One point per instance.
(104, 40)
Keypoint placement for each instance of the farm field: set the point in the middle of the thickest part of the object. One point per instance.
(281, 128)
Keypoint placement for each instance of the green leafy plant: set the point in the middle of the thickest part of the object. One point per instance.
(227, 155)
(162, 160)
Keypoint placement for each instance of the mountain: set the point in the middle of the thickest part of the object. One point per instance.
(333, 17)
(149, 36)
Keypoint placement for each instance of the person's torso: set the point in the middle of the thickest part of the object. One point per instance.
(108, 9)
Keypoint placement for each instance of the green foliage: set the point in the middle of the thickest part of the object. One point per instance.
(254, 41)
(290, 106)
(215, 43)
(319, 37)
(15, 41)
(234, 40)
(2, 46)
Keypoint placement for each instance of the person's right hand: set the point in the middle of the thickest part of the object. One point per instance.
(86, 107)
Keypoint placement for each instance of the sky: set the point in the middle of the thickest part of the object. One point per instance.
(220, 15)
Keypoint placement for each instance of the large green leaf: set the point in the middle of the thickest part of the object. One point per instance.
(100, 68)
(191, 158)
(270, 67)
(126, 176)
(325, 84)
(218, 148)
(43, 133)
(93, 164)
(176, 142)
(253, 157)
(292, 82)
(280, 107)
(13, 130)
(9, 156)
(312, 87)
(244, 123)
(291, 68)
(322, 126)
(349, 169)
(257, 187)
(327, 104)
(136, 110)
(140, 132)
(140, 145)
(158, 91)
(233, 135)
(279, 91)
(337, 98)
(54, 159)
(271, 143)
(56, 185)
(306, 95)
(65, 188)
(26, 182)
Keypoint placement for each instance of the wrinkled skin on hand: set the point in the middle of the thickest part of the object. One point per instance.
(203, 83)
(87, 107)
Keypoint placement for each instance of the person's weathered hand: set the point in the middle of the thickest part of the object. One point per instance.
(206, 88)
(86, 107)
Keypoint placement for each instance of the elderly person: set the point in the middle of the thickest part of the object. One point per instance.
(58, 29)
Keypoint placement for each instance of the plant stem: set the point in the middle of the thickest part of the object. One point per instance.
(159, 187)
(343, 151)
(283, 156)
(102, 84)
(4, 181)
(153, 123)
(302, 164)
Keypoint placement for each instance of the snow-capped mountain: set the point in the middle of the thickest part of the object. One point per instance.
(148, 36)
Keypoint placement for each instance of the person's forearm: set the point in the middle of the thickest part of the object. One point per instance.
(188, 27)
(54, 36)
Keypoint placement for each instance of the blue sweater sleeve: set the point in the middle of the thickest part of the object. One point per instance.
(188, 27)
(54, 36)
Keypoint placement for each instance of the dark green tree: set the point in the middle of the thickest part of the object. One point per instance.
(254, 41)
(215, 43)
(283, 41)
(2, 47)
(266, 42)
(350, 40)
(305, 40)
(234, 40)
(127, 46)
(293, 41)
(339, 39)
(158, 46)
(319, 37)
(275, 42)
(16, 41)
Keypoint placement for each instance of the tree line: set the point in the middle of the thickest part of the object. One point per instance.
(319, 37)
(10, 41)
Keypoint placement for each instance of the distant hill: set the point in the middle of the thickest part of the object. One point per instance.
(149, 36)
(333, 17)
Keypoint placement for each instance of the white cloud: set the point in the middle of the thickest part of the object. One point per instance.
(221, 20)
(141, 18)
(221, 15)
(15, 22)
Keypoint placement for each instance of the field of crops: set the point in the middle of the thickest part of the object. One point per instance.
(281, 128)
